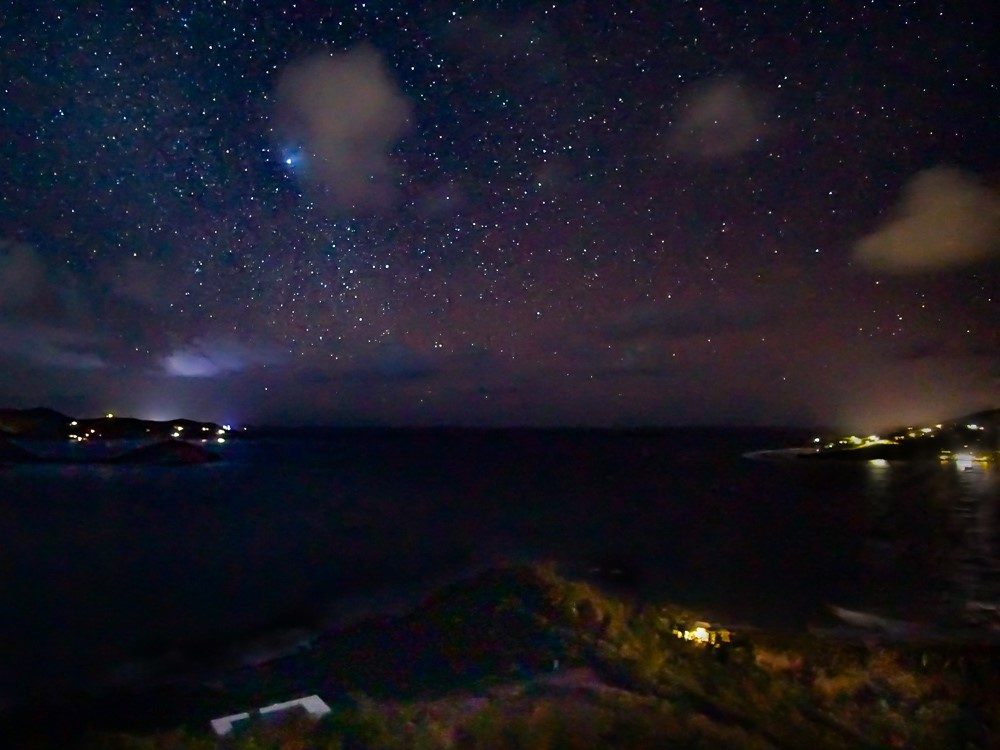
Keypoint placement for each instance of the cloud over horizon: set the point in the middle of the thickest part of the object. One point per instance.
(945, 218)
(340, 115)
(204, 358)
(51, 346)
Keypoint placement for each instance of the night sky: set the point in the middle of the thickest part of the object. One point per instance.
(500, 213)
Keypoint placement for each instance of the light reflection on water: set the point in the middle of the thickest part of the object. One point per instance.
(946, 514)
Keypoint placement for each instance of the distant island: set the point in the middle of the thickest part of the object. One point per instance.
(41, 435)
(969, 440)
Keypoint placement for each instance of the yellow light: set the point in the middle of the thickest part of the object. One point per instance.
(178, 428)
(73, 423)
(873, 437)
(222, 440)
(925, 430)
(175, 434)
(878, 462)
(109, 415)
(220, 432)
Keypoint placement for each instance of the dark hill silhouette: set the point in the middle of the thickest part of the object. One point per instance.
(47, 424)
(38, 422)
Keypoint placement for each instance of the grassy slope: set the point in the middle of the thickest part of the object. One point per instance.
(522, 658)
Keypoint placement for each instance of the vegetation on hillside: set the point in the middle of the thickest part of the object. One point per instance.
(523, 658)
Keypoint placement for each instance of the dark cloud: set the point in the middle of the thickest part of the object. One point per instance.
(440, 200)
(392, 362)
(718, 119)
(144, 282)
(337, 118)
(51, 346)
(945, 218)
(695, 315)
(523, 57)
(22, 274)
(46, 320)
(481, 36)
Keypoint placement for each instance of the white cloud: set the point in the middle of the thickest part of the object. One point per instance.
(208, 359)
(945, 218)
(337, 118)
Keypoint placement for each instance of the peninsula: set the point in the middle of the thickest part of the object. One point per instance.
(42, 435)
(968, 440)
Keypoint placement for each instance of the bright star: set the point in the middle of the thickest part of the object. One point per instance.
(292, 157)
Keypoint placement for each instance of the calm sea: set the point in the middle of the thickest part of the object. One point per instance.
(105, 566)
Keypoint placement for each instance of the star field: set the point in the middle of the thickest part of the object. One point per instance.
(496, 213)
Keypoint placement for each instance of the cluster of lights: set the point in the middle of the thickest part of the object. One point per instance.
(73, 437)
(858, 442)
(916, 432)
(703, 634)
(177, 433)
(910, 432)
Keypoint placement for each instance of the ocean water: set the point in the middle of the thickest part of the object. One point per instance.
(104, 569)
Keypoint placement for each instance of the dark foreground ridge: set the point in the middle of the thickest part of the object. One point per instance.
(522, 657)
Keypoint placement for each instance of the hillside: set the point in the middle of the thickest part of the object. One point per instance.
(521, 658)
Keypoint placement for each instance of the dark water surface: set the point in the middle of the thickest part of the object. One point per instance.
(103, 565)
